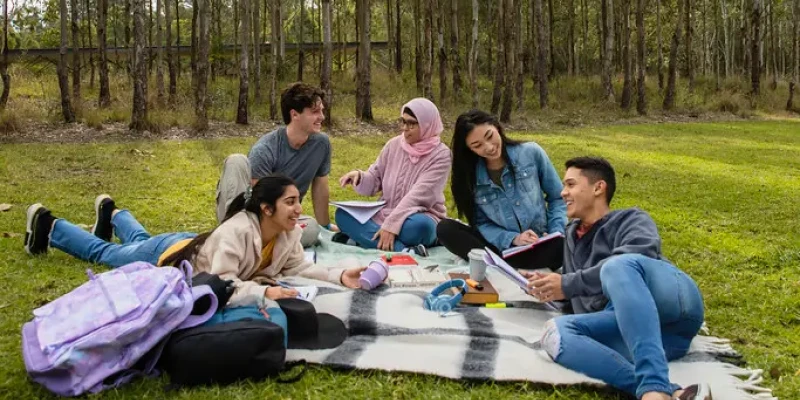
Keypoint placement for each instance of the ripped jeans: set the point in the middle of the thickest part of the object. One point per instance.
(653, 313)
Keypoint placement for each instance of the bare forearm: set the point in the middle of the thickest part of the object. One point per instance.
(321, 196)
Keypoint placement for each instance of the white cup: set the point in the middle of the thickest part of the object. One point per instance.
(477, 266)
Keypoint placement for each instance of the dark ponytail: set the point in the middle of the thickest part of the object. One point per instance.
(266, 191)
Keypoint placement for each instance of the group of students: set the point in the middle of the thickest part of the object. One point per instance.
(631, 310)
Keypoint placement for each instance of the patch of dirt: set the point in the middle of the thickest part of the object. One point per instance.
(45, 132)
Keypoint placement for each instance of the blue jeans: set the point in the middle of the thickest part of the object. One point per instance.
(417, 229)
(653, 313)
(136, 243)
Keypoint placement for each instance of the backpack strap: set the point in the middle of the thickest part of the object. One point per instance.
(289, 366)
(195, 320)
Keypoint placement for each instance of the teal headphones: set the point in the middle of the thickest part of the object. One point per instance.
(443, 303)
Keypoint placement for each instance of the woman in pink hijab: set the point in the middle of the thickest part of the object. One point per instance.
(410, 173)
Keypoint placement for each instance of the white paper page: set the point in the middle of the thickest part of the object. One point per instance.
(362, 211)
(306, 292)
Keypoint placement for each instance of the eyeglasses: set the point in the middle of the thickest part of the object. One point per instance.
(407, 123)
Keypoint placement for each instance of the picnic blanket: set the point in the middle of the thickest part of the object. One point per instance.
(389, 330)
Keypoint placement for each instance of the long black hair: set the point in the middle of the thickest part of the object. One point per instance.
(266, 191)
(462, 183)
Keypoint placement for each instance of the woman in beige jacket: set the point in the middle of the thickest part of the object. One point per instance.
(257, 242)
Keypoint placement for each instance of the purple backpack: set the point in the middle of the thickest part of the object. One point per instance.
(110, 329)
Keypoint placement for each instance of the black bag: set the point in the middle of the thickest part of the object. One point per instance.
(225, 353)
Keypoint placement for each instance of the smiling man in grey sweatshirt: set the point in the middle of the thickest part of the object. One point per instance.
(634, 310)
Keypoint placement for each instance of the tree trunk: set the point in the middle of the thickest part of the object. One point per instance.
(585, 42)
(76, 57)
(173, 79)
(541, 54)
(689, 55)
(104, 97)
(177, 59)
(510, 56)
(790, 102)
(641, 58)
(570, 37)
(389, 29)
(418, 35)
(398, 42)
(193, 59)
(201, 88)
(363, 90)
(63, 80)
(473, 54)
(796, 42)
(454, 50)
(91, 45)
(773, 53)
(256, 10)
(550, 27)
(672, 73)
(519, 58)
(660, 56)
(139, 112)
(4, 62)
(755, 59)
(627, 83)
(301, 55)
(703, 37)
(244, 66)
(160, 56)
(727, 47)
(608, 51)
(273, 45)
(327, 67)
(499, 69)
(442, 52)
(427, 59)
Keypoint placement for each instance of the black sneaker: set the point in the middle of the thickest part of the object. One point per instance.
(340, 237)
(419, 250)
(103, 208)
(38, 224)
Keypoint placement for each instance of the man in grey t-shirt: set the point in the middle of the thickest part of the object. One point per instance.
(299, 150)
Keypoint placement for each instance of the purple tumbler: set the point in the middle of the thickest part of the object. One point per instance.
(374, 275)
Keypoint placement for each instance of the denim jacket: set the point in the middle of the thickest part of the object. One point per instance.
(530, 197)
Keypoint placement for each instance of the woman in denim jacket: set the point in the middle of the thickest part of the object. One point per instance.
(508, 191)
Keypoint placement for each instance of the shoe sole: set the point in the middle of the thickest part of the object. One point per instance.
(98, 201)
(32, 217)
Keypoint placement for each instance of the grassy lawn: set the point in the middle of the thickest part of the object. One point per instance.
(725, 197)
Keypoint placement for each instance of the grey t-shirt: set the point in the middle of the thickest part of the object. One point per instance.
(273, 154)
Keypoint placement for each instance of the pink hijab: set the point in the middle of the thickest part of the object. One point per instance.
(430, 127)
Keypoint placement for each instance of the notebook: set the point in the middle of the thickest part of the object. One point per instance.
(519, 249)
(361, 210)
(415, 276)
(474, 296)
(500, 265)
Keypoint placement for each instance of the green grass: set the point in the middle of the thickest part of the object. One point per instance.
(724, 196)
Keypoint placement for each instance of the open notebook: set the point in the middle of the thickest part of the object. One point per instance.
(502, 266)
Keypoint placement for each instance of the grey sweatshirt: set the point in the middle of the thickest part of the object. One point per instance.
(624, 231)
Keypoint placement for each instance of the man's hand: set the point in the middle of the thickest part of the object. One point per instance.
(350, 277)
(277, 292)
(527, 237)
(545, 287)
(351, 178)
(385, 240)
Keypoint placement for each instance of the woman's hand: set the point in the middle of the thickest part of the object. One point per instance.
(544, 286)
(527, 237)
(351, 178)
(385, 240)
(350, 277)
(277, 292)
